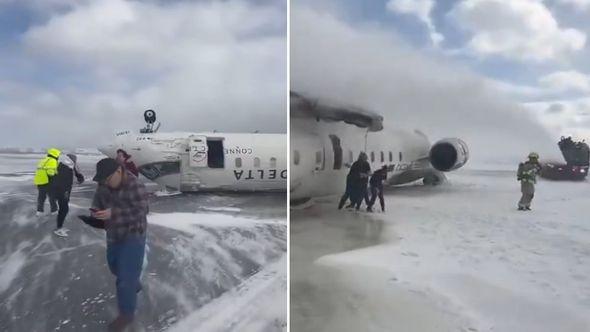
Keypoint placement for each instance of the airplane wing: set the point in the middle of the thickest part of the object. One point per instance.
(306, 107)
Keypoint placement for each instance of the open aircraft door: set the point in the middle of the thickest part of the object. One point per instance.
(198, 151)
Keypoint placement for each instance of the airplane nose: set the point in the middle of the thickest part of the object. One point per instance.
(108, 150)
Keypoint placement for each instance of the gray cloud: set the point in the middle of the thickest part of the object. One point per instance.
(556, 108)
(374, 69)
(201, 65)
(525, 30)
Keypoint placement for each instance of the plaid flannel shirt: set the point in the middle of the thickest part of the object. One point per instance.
(129, 207)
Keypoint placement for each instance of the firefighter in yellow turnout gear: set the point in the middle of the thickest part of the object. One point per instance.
(46, 169)
(527, 175)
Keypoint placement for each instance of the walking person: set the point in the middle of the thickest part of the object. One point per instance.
(376, 185)
(347, 192)
(352, 182)
(361, 181)
(46, 170)
(124, 213)
(527, 175)
(61, 188)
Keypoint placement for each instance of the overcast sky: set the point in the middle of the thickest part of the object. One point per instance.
(504, 75)
(73, 72)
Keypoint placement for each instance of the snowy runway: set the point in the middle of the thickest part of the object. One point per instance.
(206, 252)
(453, 258)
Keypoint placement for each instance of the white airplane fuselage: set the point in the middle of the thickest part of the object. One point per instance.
(207, 161)
(321, 152)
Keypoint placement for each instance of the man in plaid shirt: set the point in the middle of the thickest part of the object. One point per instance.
(121, 201)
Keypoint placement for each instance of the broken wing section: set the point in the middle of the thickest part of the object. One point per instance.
(303, 106)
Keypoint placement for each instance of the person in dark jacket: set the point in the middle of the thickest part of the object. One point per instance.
(61, 187)
(361, 170)
(376, 184)
(354, 182)
(347, 192)
(123, 159)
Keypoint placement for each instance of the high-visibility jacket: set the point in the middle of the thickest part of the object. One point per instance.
(527, 172)
(47, 167)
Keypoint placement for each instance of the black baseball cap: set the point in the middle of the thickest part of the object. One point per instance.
(104, 168)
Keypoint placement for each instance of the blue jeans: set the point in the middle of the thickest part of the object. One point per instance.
(125, 259)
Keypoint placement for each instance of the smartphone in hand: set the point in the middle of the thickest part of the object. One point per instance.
(93, 211)
(101, 214)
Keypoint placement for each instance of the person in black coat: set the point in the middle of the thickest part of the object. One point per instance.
(376, 184)
(347, 192)
(355, 181)
(362, 171)
(61, 187)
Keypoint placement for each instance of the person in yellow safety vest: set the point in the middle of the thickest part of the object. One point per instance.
(527, 175)
(46, 169)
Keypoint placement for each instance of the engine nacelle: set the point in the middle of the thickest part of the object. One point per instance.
(449, 154)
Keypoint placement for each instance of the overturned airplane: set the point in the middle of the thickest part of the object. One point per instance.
(205, 161)
(327, 137)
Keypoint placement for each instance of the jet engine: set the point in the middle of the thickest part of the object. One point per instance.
(449, 154)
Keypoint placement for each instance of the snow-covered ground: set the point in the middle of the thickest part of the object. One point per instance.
(86, 151)
(215, 261)
(457, 257)
(259, 304)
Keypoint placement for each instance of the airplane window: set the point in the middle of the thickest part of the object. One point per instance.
(256, 162)
(273, 162)
(382, 157)
(372, 156)
(390, 157)
(400, 156)
(318, 157)
(296, 157)
(156, 170)
(238, 162)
